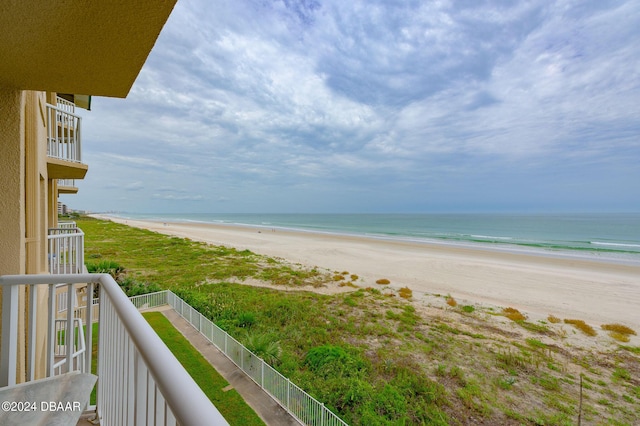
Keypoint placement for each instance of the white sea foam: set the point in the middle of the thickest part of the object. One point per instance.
(491, 237)
(599, 243)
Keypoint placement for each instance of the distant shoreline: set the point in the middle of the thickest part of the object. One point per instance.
(546, 251)
(592, 290)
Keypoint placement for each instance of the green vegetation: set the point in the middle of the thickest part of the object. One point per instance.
(382, 360)
(229, 402)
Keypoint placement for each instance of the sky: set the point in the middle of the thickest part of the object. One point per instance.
(333, 106)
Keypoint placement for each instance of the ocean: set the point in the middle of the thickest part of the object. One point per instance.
(610, 237)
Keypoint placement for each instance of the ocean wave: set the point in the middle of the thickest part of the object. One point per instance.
(600, 243)
(491, 237)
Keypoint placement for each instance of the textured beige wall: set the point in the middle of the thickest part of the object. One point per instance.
(12, 230)
(12, 213)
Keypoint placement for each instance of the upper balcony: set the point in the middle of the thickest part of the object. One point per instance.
(64, 159)
(67, 186)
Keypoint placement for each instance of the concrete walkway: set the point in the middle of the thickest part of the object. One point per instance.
(265, 406)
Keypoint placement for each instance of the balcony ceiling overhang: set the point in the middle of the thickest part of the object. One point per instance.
(89, 47)
(61, 169)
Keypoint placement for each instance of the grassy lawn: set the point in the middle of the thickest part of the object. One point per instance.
(229, 403)
(375, 359)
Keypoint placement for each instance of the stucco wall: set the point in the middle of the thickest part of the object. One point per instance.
(11, 182)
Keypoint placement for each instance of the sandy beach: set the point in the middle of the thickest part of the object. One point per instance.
(594, 291)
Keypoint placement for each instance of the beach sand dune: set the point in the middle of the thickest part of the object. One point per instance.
(594, 291)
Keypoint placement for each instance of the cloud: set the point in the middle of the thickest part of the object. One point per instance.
(134, 186)
(260, 103)
(175, 197)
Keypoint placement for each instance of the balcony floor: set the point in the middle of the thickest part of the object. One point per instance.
(71, 390)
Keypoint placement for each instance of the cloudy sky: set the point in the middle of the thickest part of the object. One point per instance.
(376, 106)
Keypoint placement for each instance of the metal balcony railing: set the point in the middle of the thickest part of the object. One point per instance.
(63, 132)
(67, 182)
(66, 249)
(139, 380)
(69, 224)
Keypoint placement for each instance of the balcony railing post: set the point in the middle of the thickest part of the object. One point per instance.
(8, 354)
(51, 330)
(69, 334)
(33, 301)
(88, 328)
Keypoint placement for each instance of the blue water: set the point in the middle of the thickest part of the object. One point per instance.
(602, 236)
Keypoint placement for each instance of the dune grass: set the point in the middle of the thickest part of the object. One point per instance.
(397, 362)
(582, 326)
(513, 314)
(229, 403)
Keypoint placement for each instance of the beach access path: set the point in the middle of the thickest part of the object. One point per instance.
(594, 291)
(265, 407)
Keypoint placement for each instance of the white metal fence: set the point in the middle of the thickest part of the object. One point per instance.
(63, 133)
(301, 405)
(66, 250)
(139, 380)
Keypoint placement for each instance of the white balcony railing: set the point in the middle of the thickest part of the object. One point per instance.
(65, 105)
(66, 225)
(139, 379)
(71, 183)
(63, 132)
(66, 249)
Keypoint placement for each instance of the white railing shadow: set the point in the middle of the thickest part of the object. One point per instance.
(139, 380)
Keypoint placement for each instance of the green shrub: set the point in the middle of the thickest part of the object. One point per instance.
(264, 346)
(322, 355)
(132, 287)
(330, 360)
(246, 319)
(105, 267)
(390, 404)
